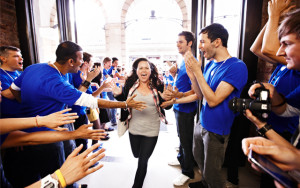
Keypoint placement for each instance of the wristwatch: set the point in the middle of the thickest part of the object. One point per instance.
(262, 131)
(49, 182)
(86, 84)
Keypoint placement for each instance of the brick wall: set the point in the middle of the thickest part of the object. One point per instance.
(264, 69)
(8, 24)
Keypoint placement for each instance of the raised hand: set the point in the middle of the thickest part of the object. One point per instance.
(173, 70)
(138, 105)
(91, 75)
(277, 7)
(107, 84)
(168, 103)
(54, 120)
(78, 166)
(167, 93)
(190, 73)
(191, 62)
(95, 84)
(117, 90)
(84, 132)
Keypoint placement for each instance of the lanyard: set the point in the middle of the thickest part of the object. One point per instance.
(13, 79)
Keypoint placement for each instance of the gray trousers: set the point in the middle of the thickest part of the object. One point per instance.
(209, 152)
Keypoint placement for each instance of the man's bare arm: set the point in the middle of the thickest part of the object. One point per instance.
(16, 94)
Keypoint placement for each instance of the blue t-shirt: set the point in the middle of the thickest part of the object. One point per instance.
(2, 138)
(219, 119)
(76, 81)
(107, 72)
(44, 91)
(169, 79)
(293, 98)
(9, 108)
(183, 83)
(285, 81)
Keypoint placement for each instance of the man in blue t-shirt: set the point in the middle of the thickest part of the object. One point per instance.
(110, 71)
(168, 78)
(46, 89)
(184, 114)
(222, 79)
(76, 80)
(11, 65)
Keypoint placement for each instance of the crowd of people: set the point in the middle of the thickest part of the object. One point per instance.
(51, 109)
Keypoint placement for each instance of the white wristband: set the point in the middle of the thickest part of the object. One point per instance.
(49, 182)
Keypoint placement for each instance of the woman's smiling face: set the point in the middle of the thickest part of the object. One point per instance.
(143, 71)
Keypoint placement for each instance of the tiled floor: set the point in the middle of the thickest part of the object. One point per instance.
(120, 165)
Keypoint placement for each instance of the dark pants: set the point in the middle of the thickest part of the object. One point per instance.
(234, 156)
(3, 181)
(209, 152)
(142, 148)
(26, 166)
(185, 129)
(113, 111)
(83, 119)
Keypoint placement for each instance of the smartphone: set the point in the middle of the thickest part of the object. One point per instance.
(270, 168)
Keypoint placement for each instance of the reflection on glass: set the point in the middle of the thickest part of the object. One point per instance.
(228, 13)
(152, 29)
(90, 26)
(46, 29)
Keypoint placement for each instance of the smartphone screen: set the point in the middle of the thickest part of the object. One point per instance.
(267, 166)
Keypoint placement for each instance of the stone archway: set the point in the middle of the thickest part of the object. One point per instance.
(186, 23)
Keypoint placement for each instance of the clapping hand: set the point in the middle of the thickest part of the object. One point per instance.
(167, 93)
(91, 75)
(117, 90)
(168, 103)
(192, 62)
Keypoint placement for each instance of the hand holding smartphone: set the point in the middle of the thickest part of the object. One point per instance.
(270, 168)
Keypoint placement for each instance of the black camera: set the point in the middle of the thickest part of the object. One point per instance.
(260, 106)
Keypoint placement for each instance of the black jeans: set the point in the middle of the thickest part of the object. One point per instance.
(185, 129)
(142, 147)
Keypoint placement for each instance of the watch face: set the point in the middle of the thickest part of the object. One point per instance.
(49, 185)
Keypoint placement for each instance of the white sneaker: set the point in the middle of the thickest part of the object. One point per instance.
(181, 180)
(174, 163)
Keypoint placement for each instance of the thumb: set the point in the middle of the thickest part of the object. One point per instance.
(130, 98)
(60, 129)
(160, 93)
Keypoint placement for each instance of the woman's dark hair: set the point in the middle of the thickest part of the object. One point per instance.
(87, 57)
(154, 80)
(97, 79)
